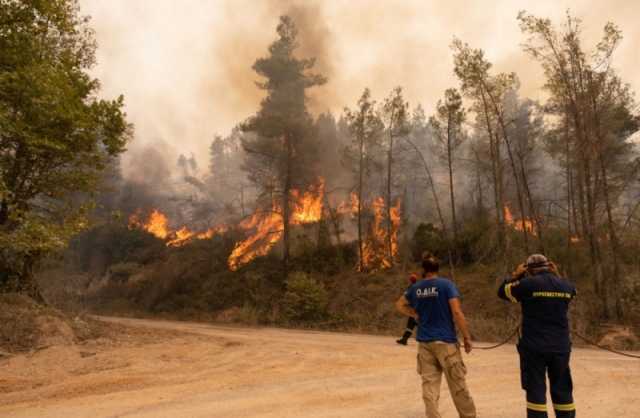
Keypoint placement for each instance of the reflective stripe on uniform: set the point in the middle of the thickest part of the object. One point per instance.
(537, 406)
(561, 295)
(507, 292)
(564, 406)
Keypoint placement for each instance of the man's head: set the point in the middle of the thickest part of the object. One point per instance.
(413, 278)
(537, 263)
(430, 264)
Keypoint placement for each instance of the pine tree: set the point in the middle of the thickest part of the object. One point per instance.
(279, 152)
(365, 128)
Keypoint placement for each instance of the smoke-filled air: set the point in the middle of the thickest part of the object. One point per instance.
(292, 163)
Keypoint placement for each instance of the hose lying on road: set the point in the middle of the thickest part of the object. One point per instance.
(602, 347)
(582, 337)
(491, 347)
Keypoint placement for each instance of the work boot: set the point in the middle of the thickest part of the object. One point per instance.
(405, 337)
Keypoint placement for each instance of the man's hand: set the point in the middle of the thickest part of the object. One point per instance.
(468, 345)
(519, 271)
(402, 305)
(553, 268)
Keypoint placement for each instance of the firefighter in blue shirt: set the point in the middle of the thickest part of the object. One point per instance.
(434, 302)
(545, 345)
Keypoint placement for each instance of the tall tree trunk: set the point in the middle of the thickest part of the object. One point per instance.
(615, 243)
(569, 261)
(503, 128)
(496, 170)
(28, 284)
(360, 187)
(588, 207)
(286, 208)
(436, 200)
(4, 212)
(388, 207)
(614, 286)
(454, 221)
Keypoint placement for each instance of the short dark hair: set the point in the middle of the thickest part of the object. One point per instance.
(430, 264)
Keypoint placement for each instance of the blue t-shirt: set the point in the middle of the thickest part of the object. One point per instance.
(430, 299)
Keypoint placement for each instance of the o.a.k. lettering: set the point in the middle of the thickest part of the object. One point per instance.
(429, 292)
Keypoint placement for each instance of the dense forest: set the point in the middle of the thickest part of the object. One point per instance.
(299, 214)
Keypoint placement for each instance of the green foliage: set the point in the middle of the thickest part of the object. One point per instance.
(280, 148)
(305, 298)
(55, 135)
(96, 249)
(282, 124)
(328, 260)
(429, 238)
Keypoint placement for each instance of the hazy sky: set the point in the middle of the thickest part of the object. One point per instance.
(184, 66)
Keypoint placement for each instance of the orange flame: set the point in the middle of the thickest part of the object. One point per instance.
(158, 225)
(350, 207)
(308, 207)
(269, 230)
(524, 224)
(269, 226)
(375, 253)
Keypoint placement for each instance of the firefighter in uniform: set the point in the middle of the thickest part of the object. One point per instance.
(411, 322)
(545, 345)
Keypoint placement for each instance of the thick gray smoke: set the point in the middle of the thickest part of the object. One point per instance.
(185, 67)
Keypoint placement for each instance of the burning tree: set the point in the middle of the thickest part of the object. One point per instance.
(365, 127)
(279, 151)
(157, 224)
(395, 115)
(380, 249)
(266, 227)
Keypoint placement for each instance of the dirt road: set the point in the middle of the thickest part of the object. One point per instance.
(198, 370)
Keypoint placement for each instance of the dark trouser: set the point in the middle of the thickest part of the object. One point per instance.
(534, 367)
(411, 324)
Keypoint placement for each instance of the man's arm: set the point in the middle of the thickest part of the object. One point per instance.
(505, 289)
(402, 305)
(461, 323)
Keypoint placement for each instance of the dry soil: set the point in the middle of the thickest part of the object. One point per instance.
(200, 370)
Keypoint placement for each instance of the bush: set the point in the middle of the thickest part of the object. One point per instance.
(305, 298)
(121, 272)
(429, 238)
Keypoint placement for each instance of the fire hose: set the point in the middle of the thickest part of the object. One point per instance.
(574, 332)
(602, 347)
(491, 347)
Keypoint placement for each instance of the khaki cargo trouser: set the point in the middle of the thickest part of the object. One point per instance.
(435, 358)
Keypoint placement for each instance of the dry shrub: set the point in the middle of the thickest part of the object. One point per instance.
(26, 325)
(305, 299)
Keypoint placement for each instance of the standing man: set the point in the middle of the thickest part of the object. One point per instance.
(434, 303)
(411, 322)
(545, 345)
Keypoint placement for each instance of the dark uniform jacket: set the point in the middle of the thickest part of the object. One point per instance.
(545, 302)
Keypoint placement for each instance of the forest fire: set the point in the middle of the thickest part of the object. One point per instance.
(525, 224)
(351, 206)
(308, 207)
(268, 225)
(158, 225)
(376, 252)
